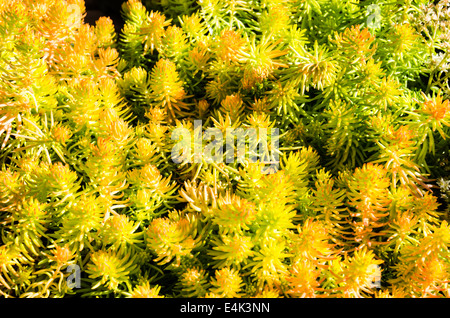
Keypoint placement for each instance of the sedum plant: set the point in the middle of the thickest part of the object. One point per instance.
(343, 201)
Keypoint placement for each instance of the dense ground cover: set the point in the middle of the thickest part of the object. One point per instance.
(123, 173)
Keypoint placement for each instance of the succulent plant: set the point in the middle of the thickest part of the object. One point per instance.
(225, 149)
